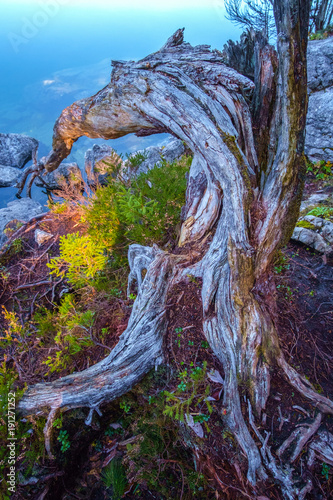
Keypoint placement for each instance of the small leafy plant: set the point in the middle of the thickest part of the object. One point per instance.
(71, 328)
(63, 439)
(325, 470)
(177, 405)
(125, 406)
(322, 212)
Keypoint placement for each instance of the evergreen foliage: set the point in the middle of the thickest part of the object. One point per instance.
(80, 258)
(143, 210)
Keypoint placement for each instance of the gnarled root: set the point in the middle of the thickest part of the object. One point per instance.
(36, 170)
(139, 348)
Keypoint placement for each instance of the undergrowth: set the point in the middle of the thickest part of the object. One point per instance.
(92, 263)
(157, 459)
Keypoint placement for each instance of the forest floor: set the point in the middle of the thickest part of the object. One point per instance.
(138, 449)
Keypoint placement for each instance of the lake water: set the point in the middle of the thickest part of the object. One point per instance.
(53, 53)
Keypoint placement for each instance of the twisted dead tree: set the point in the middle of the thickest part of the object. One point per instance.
(243, 191)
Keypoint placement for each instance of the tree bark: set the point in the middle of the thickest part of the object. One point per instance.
(188, 92)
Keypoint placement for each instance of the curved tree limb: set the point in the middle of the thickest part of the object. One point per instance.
(138, 351)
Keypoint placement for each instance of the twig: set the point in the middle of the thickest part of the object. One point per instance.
(31, 285)
(303, 434)
(282, 419)
(45, 251)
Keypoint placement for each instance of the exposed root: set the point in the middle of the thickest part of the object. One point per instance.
(282, 476)
(304, 491)
(321, 448)
(48, 431)
(36, 169)
(303, 434)
(138, 351)
(304, 387)
(89, 418)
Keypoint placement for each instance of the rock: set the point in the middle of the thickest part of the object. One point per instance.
(94, 165)
(319, 125)
(64, 172)
(320, 238)
(16, 149)
(314, 200)
(170, 152)
(9, 175)
(320, 64)
(23, 210)
(42, 236)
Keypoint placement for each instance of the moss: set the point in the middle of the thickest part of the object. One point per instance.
(306, 224)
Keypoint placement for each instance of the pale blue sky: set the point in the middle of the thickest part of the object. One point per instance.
(142, 4)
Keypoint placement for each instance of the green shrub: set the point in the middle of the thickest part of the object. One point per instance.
(320, 170)
(144, 212)
(150, 457)
(322, 34)
(135, 160)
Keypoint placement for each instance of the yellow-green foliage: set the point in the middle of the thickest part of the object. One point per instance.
(13, 330)
(28, 432)
(58, 208)
(322, 34)
(80, 259)
(102, 215)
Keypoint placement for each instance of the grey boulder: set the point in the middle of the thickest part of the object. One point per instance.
(319, 125)
(314, 200)
(155, 155)
(97, 161)
(320, 64)
(23, 210)
(320, 238)
(16, 149)
(65, 172)
(9, 175)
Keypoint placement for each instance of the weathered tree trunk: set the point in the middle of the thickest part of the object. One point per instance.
(188, 92)
(322, 16)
